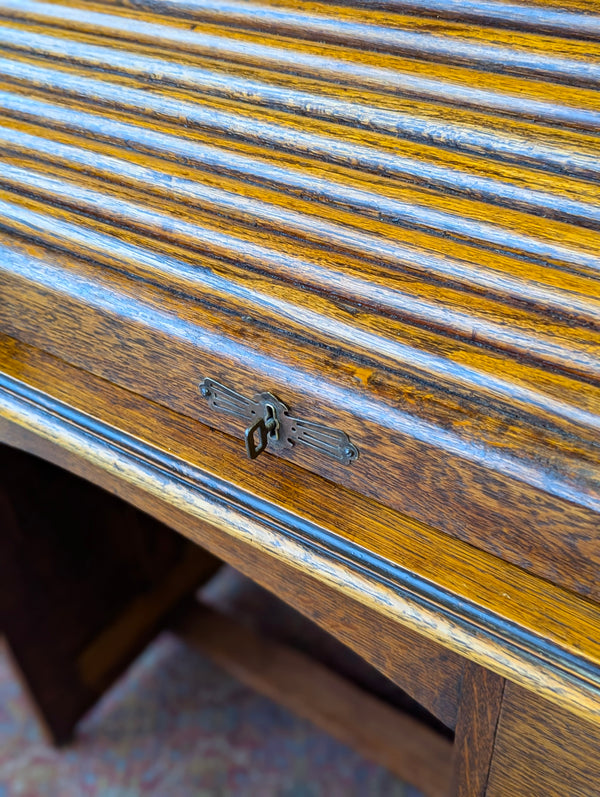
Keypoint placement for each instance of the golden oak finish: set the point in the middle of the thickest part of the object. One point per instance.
(552, 615)
(481, 701)
(543, 751)
(387, 214)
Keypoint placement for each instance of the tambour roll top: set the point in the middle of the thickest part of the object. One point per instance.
(384, 214)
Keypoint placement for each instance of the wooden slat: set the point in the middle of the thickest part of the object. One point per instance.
(387, 215)
(406, 747)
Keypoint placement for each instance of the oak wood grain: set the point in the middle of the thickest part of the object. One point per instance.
(480, 705)
(431, 674)
(520, 627)
(501, 512)
(387, 215)
(543, 751)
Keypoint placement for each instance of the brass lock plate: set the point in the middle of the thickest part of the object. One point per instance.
(269, 424)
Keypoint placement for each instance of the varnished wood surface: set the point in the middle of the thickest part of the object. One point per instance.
(543, 751)
(480, 703)
(521, 627)
(431, 674)
(382, 734)
(386, 214)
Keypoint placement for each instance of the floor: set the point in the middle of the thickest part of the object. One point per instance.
(177, 726)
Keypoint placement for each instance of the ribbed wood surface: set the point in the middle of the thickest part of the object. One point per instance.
(384, 212)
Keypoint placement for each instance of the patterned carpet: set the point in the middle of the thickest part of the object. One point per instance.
(177, 726)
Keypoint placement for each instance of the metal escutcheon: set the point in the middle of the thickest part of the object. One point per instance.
(270, 425)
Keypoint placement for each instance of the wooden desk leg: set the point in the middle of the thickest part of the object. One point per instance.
(86, 581)
(543, 750)
(478, 714)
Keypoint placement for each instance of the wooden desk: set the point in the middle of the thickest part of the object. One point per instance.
(365, 237)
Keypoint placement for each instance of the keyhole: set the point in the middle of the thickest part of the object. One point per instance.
(271, 421)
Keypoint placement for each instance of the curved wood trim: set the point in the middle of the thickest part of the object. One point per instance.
(159, 483)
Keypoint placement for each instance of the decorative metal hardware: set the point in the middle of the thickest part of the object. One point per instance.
(271, 426)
